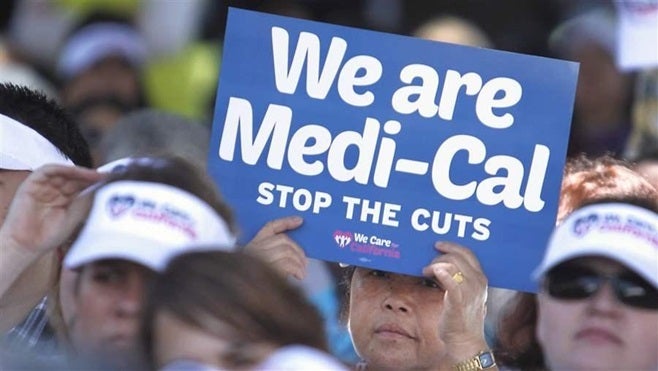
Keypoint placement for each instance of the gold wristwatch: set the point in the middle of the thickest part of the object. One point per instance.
(481, 361)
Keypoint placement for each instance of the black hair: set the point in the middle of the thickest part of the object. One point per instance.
(42, 114)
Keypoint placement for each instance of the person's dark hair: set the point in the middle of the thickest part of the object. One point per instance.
(35, 110)
(254, 304)
(586, 181)
(179, 173)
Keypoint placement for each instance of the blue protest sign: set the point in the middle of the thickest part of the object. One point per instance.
(385, 144)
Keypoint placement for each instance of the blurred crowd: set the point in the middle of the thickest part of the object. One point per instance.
(132, 85)
(104, 59)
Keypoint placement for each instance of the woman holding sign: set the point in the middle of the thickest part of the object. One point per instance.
(434, 322)
(401, 322)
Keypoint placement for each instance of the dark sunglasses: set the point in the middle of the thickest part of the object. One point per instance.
(568, 282)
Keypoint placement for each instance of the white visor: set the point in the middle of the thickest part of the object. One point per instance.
(22, 148)
(148, 223)
(625, 233)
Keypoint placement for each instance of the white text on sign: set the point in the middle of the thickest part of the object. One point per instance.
(304, 158)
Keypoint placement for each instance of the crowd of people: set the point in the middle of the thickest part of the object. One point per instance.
(118, 252)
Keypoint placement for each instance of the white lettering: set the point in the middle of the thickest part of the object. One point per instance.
(426, 92)
(302, 199)
(365, 144)
(487, 101)
(451, 86)
(298, 148)
(443, 163)
(423, 220)
(348, 79)
(287, 76)
(275, 125)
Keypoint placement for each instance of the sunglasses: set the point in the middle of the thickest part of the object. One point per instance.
(576, 283)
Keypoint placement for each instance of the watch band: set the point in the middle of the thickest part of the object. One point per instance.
(481, 361)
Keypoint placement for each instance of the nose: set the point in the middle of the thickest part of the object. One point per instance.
(397, 299)
(604, 302)
(129, 303)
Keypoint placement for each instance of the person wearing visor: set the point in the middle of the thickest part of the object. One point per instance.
(142, 215)
(598, 296)
(585, 181)
(34, 131)
(128, 226)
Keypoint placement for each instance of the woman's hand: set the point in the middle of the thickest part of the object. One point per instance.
(273, 245)
(43, 213)
(464, 307)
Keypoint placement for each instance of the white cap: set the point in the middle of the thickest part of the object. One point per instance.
(22, 148)
(148, 223)
(625, 233)
(97, 41)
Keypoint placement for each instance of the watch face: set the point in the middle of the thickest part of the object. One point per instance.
(486, 360)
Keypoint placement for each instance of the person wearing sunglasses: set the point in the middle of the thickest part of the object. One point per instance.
(586, 180)
(598, 297)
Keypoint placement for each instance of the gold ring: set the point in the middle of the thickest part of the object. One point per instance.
(458, 277)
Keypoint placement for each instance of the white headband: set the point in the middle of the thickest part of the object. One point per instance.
(22, 148)
(148, 223)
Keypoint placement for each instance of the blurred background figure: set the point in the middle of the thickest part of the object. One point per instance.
(601, 121)
(23, 74)
(454, 30)
(16, 71)
(219, 310)
(643, 141)
(150, 132)
(99, 68)
(638, 51)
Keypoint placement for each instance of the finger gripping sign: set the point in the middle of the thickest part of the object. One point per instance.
(385, 144)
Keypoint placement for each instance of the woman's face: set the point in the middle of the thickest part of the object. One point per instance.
(108, 306)
(394, 320)
(598, 332)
